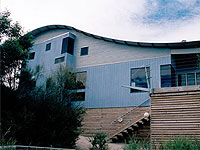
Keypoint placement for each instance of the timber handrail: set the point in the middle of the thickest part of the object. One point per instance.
(127, 125)
(128, 112)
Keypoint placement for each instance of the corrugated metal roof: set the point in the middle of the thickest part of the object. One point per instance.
(175, 45)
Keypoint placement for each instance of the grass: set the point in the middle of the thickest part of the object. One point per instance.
(178, 143)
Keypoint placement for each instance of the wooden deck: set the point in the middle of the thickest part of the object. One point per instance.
(175, 112)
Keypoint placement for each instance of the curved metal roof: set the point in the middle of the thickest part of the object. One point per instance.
(175, 45)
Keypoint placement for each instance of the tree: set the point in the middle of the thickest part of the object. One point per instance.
(61, 85)
(7, 28)
(33, 115)
(14, 50)
(43, 115)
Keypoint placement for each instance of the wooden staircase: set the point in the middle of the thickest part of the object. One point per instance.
(125, 132)
(106, 120)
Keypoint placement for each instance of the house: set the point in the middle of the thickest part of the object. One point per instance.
(117, 75)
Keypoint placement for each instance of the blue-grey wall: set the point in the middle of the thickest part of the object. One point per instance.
(104, 83)
(108, 67)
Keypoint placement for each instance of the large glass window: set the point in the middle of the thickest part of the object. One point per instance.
(79, 94)
(188, 79)
(68, 45)
(182, 80)
(81, 79)
(198, 78)
(139, 77)
(167, 74)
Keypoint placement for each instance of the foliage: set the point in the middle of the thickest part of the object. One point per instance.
(99, 142)
(66, 81)
(135, 144)
(63, 79)
(14, 50)
(7, 144)
(34, 115)
(7, 28)
(181, 143)
(178, 143)
(39, 117)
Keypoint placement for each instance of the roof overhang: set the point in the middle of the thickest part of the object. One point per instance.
(175, 45)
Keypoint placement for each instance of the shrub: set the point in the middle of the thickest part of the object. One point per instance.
(7, 144)
(135, 144)
(39, 117)
(180, 143)
(99, 142)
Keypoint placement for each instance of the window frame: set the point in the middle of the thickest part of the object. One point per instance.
(84, 84)
(148, 70)
(171, 82)
(68, 45)
(31, 55)
(76, 96)
(48, 47)
(59, 58)
(82, 53)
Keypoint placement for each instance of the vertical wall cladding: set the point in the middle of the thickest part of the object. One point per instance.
(108, 66)
(104, 83)
(46, 59)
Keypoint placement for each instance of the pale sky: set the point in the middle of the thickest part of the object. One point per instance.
(133, 20)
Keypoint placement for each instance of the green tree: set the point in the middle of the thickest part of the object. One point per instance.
(61, 85)
(34, 115)
(42, 115)
(14, 50)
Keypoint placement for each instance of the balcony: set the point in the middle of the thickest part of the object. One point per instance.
(184, 70)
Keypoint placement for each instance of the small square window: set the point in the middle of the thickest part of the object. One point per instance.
(32, 55)
(48, 46)
(59, 60)
(84, 51)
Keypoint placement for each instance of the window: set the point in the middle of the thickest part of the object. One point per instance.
(32, 55)
(188, 79)
(81, 79)
(84, 51)
(182, 80)
(59, 60)
(198, 78)
(48, 46)
(138, 78)
(78, 96)
(67, 46)
(167, 74)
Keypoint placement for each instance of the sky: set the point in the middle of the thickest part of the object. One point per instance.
(131, 20)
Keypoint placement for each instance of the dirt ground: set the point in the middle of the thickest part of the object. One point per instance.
(84, 144)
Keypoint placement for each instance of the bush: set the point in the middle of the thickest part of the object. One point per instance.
(99, 142)
(180, 143)
(38, 118)
(135, 144)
